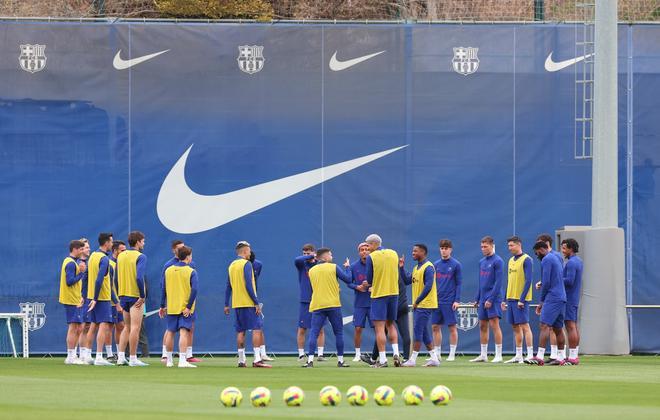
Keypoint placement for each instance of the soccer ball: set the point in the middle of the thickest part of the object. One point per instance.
(231, 397)
(293, 396)
(357, 395)
(412, 395)
(330, 395)
(441, 395)
(260, 396)
(384, 395)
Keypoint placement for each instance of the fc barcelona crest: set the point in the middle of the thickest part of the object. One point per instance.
(32, 58)
(465, 60)
(466, 318)
(36, 315)
(251, 58)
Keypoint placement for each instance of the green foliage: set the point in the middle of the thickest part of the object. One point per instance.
(216, 9)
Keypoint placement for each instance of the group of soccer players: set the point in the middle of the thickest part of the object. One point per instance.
(104, 292)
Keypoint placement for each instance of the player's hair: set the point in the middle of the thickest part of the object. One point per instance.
(540, 245)
(445, 243)
(84, 240)
(361, 245)
(422, 246)
(75, 244)
(321, 251)
(253, 256)
(242, 244)
(104, 237)
(545, 238)
(515, 239)
(374, 238)
(309, 247)
(117, 244)
(135, 237)
(183, 252)
(571, 244)
(176, 243)
(488, 240)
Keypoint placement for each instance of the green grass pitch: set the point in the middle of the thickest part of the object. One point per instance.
(620, 388)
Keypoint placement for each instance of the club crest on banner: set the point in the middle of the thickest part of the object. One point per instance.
(32, 58)
(466, 318)
(465, 60)
(251, 58)
(36, 315)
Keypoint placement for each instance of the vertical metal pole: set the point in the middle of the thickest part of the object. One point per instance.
(604, 210)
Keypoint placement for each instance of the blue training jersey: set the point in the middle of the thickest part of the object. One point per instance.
(491, 273)
(552, 284)
(573, 279)
(359, 274)
(448, 277)
(303, 265)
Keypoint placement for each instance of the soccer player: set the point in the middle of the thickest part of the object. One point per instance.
(85, 353)
(552, 303)
(383, 278)
(71, 275)
(449, 277)
(101, 298)
(257, 266)
(117, 313)
(554, 351)
(518, 295)
(572, 277)
(178, 295)
(241, 290)
(303, 264)
(425, 302)
(489, 299)
(362, 301)
(325, 303)
(131, 270)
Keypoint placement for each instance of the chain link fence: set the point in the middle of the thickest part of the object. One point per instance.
(411, 10)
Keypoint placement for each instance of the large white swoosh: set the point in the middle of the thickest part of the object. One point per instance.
(182, 210)
(120, 64)
(336, 65)
(559, 65)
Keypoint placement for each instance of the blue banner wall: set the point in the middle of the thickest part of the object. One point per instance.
(94, 117)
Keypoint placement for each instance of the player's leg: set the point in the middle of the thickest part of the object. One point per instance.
(163, 356)
(544, 335)
(320, 344)
(404, 332)
(74, 327)
(184, 343)
(89, 342)
(418, 335)
(240, 345)
(359, 322)
(337, 324)
(102, 338)
(168, 338)
(453, 343)
(392, 305)
(123, 338)
(483, 338)
(262, 348)
(436, 327)
(257, 339)
(136, 324)
(317, 321)
(561, 343)
(494, 324)
(529, 339)
(553, 345)
(427, 339)
(304, 323)
(518, 337)
(573, 341)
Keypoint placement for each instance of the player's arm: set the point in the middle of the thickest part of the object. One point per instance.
(346, 275)
(571, 273)
(546, 269)
(141, 268)
(458, 277)
(227, 295)
(257, 266)
(429, 278)
(98, 283)
(527, 269)
(71, 276)
(193, 293)
(370, 270)
(163, 298)
(406, 277)
(247, 272)
(301, 260)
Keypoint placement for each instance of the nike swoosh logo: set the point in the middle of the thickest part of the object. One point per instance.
(336, 65)
(182, 210)
(559, 65)
(121, 64)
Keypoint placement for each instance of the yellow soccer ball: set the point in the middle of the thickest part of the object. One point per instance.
(441, 395)
(412, 395)
(293, 396)
(357, 395)
(330, 395)
(260, 397)
(231, 397)
(384, 395)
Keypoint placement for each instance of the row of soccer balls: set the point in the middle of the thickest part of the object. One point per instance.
(330, 396)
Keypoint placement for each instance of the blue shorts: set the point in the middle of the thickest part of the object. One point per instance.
(421, 318)
(304, 316)
(73, 314)
(127, 302)
(495, 311)
(571, 312)
(552, 313)
(516, 315)
(444, 315)
(117, 316)
(176, 322)
(360, 315)
(86, 316)
(102, 312)
(247, 319)
(384, 308)
(333, 315)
